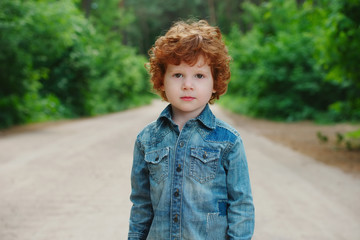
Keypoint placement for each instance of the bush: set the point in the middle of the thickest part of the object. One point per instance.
(55, 64)
(275, 73)
(120, 82)
(338, 48)
(40, 37)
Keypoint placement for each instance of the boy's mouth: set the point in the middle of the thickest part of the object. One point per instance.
(187, 98)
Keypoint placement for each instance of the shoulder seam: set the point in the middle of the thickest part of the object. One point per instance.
(228, 127)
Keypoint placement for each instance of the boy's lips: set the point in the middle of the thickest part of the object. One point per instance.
(187, 98)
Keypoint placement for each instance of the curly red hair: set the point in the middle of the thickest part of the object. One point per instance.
(186, 41)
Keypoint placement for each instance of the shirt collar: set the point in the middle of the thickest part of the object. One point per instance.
(206, 117)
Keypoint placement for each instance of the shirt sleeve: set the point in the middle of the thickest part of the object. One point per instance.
(241, 212)
(141, 212)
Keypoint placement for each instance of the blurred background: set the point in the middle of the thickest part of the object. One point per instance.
(292, 60)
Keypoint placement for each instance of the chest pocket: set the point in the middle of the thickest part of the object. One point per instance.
(158, 164)
(204, 163)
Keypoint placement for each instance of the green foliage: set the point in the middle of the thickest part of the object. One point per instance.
(26, 48)
(323, 138)
(352, 140)
(338, 48)
(275, 73)
(54, 63)
(109, 18)
(120, 82)
(349, 141)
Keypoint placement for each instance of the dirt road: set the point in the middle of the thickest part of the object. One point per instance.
(70, 181)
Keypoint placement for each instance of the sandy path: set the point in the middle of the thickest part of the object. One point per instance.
(71, 182)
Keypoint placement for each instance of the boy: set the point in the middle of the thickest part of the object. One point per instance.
(190, 177)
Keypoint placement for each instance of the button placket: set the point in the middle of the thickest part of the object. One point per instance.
(177, 184)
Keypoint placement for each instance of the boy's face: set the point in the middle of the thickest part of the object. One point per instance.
(188, 88)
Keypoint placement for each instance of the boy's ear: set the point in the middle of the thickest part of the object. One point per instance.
(162, 88)
(213, 91)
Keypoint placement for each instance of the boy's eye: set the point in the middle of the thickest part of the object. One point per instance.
(199, 75)
(177, 75)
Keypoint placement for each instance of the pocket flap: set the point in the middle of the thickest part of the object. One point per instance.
(156, 156)
(205, 154)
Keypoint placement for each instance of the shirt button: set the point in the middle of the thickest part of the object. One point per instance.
(176, 194)
(176, 219)
(182, 144)
(178, 169)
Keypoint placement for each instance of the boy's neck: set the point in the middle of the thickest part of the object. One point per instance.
(181, 118)
(180, 121)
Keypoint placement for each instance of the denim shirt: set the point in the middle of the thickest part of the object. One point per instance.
(190, 185)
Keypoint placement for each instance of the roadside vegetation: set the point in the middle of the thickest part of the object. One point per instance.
(297, 62)
(57, 63)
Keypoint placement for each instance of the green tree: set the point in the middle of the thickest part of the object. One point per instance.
(338, 52)
(54, 63)
(32, 42)
(275, 73)
(109, 17)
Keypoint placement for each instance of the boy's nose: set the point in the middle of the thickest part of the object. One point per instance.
(187, 84)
